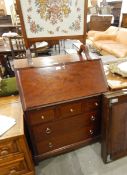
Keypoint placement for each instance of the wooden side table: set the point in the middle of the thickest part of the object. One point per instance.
(15, 157)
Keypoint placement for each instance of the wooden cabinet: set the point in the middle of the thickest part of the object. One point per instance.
(72, 124)
(124, 20)
(15, 157)
(62, 105)
(114, 125)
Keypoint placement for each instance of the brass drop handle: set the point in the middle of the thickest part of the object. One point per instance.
(48, 130)
(91, 131)
(42, 117)
(93, 118)
(71, 110)
(50, 145)
(12, 172)
(96, 104)
(4, 152)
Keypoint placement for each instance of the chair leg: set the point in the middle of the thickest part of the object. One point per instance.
(8, 70)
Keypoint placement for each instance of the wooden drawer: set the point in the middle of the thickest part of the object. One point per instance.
(15, 167)
(70, 109)
(92, 104)
(48, 130)
(74, 136)
(40, 116)
(8, 148)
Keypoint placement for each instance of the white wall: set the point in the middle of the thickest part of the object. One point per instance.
(8, 3)
(124, 6)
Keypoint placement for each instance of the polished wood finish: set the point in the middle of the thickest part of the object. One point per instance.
(15, 157)
(72, 124)
(65, 111)
(60, 83)
(114, 125)
(48, 61)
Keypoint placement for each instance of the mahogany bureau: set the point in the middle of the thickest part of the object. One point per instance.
(15, 157)
(62, 105)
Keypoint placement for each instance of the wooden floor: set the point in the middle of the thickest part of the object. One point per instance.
(84, 161)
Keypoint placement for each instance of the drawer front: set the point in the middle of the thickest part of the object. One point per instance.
(8, 148)
(65, 139)
(70, 109)
(92, 104)
(40, 116)
(16, 168)
(48, 130)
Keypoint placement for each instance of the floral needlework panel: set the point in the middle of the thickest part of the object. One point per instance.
(49, 18)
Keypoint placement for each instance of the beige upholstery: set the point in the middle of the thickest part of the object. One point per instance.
(113, 42)
(92, 33)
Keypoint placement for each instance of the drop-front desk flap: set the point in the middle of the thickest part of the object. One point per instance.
(47, 85)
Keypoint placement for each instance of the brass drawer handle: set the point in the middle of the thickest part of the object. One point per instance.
(12, 172)
(96, 104)
(42, 117)
(4, 152)
(48, 131)
(91, 132)
(71, 110)
(50, 145)
(93, 118)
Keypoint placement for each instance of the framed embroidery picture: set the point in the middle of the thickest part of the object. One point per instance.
(43, 20)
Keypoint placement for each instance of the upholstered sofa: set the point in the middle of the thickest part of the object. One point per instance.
(113, 41)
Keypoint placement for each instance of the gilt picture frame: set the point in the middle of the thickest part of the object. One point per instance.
(43, 20)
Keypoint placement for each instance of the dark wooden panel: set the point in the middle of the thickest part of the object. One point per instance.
(114, 126)
(60, 83)
(100, 23)
(124, 20)
(118, 129)
(79, 134)
(91, 104)
(40, 116)
(70, 109)
(59, 128)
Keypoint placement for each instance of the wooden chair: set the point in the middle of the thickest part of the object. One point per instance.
(5, 67)
(18, 48)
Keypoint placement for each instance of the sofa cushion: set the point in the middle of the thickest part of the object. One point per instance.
(99, 43)
(92, 33)
(105, 37)
(122, 36)
(111, 30)
(117, 49)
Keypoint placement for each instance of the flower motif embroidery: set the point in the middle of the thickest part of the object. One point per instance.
(53, 10)
(75, 25)
(34, 28)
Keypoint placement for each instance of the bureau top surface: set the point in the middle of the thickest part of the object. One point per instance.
(56, 84)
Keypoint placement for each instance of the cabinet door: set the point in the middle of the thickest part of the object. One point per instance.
(114, 127)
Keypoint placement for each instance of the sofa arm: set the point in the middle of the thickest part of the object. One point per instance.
(105, 36)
